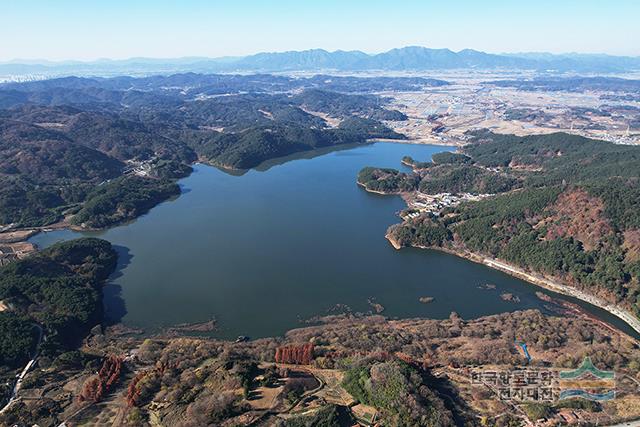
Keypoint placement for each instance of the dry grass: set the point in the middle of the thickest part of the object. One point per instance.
(267, 397)
(632, 245)
(626, 406)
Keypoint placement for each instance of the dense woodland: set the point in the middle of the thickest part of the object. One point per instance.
(122, 199)
(565, 206)
(67, 144)
(59, 290)
(54, 298)
(400, 391)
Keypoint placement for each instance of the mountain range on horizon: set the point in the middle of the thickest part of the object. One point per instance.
(411, 58)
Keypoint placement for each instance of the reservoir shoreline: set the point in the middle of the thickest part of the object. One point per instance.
(534, 279)
(276, 184)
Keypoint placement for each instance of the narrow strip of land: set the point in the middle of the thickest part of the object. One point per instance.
(622, 314)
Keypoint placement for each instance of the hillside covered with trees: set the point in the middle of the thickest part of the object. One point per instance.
(59, 290)
(564, 206)
(110, 149)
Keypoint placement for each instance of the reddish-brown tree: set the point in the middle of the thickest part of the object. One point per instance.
(295, 354)
(133, 391)
(92, 391)
(109, 374)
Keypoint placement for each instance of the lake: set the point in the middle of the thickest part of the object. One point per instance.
(262, 251)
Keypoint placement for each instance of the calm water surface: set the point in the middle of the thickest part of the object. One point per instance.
(261, 251)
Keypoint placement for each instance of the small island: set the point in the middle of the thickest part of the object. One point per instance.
(509, 297)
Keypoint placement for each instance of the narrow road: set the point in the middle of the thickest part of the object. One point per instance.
(619, 312)
(23, 373)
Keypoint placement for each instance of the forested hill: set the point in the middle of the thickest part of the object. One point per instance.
(100, 151)
(58, 290)
(565, 206)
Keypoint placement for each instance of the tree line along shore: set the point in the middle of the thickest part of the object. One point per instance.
(563, 212)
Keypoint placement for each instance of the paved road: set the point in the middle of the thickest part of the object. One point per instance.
(627, 317)
(23, 373)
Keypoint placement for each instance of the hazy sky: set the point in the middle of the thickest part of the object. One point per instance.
(90, 29)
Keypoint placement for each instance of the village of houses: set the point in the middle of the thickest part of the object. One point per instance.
(419, 202)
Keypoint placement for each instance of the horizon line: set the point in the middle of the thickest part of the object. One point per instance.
(41, 61)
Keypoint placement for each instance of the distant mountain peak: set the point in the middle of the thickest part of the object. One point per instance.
(408, 58)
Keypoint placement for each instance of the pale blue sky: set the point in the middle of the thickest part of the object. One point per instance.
(90, 29)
